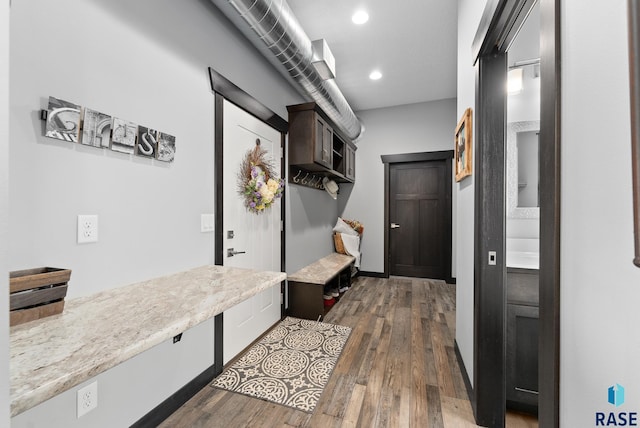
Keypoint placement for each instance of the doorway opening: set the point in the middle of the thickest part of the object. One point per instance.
(499, 25)
(227, 93)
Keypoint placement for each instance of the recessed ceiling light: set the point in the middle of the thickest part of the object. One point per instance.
(375, 75)
(360, 17)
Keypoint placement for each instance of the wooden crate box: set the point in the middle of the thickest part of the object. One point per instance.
(37, 293)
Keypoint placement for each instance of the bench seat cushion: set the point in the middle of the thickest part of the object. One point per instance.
(323, 270)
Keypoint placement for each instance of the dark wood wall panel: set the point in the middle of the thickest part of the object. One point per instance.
(489, 235)
(550, 131)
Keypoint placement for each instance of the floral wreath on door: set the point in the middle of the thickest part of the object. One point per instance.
(257, 182)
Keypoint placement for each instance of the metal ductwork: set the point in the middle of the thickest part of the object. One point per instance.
(271, 26)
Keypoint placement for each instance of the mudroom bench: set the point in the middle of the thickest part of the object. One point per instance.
(307, 286)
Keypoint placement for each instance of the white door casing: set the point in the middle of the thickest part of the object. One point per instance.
(257, 235)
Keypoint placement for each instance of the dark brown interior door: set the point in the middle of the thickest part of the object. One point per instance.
(420, 217)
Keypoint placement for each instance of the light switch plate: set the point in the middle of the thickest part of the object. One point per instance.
(492, 258)
(206, 223)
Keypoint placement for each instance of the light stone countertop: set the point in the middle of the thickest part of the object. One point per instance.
(98, 332)
(322, 270)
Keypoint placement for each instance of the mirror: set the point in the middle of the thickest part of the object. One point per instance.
(523, 169)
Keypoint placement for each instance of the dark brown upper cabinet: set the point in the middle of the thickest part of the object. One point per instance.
(317, 147)
(323, 142)
(350, 165)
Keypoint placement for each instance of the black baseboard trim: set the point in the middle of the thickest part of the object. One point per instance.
(465, 374)
(449, 280)
(372, 274)
(165, 409)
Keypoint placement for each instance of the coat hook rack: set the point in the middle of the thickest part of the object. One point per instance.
(304, 178)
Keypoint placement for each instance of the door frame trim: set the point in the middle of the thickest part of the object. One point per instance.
(387, 160)
(498, 26)
(550, 206)
(224, 89)
(489, 371)
(247, 102)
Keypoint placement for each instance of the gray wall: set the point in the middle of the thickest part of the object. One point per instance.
(145, 61)
(131, 389)
(410, 128)
(311, 215)
(469, 13)
(4, 206)
(150, 68)
(599, 284)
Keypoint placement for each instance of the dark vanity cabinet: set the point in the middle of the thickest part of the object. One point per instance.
(317, 147)
(522, 339)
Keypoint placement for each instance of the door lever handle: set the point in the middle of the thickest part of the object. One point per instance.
(394, 225)
(231, 252)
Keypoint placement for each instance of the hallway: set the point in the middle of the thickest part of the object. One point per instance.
(398, 368)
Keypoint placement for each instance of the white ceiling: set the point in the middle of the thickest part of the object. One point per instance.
(412, 42)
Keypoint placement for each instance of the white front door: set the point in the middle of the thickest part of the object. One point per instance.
(255, 237)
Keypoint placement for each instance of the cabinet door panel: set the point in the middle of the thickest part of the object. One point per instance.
(323, 142)
(350, 170)
(319, 136)
(522, 355)
(327, 146)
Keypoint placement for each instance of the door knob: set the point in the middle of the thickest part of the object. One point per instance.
(231, 252)
(394, 225)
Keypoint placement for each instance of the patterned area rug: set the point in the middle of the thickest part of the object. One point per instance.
(289, 366)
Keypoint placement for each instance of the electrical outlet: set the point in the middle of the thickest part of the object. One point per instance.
(87, 229)
(87, 398)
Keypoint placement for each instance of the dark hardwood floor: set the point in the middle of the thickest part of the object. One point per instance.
(398, 368)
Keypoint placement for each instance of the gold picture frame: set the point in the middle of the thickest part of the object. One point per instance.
(463, 146)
